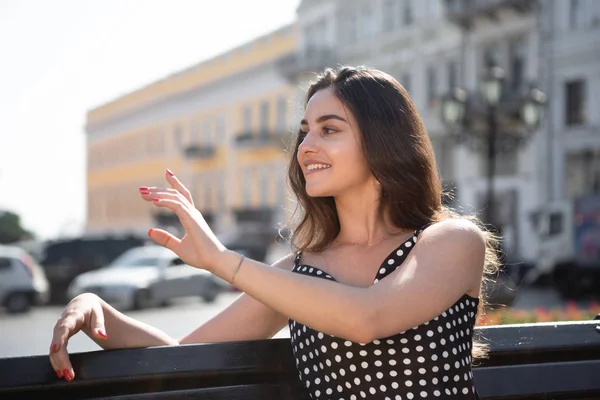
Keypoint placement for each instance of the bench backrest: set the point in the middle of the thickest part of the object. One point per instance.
(537, 361)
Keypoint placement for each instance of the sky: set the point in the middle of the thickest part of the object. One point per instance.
(61, 58)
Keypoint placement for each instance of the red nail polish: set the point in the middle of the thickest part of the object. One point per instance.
(170, 172)
(144, 188)
(144, 192)
(54, 347)
(155, 199)
(102, 333)
(150, 232)
(58, 373)
(67, 375)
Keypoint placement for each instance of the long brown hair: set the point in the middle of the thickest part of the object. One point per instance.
(399, 154)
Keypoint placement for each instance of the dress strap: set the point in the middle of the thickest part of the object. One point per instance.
(421, 229)
(297, 259)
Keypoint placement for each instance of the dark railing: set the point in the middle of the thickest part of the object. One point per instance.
(199, 151)
(261, 138)
(463, 12)
(530, 361)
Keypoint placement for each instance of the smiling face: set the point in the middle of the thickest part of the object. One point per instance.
(330, 154)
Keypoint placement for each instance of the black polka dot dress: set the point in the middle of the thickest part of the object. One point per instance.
(429, 361)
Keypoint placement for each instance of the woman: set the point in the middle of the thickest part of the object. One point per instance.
(382, 292)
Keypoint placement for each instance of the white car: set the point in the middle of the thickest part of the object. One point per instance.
(23, 282)
(146, 276)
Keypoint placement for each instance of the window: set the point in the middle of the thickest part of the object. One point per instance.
(206, 128)
(575, 102)
(315, 33)
(388, 15)
(431, 86)
(177, 138)
(281, 184)
(491, 55)
(576, 14)
(207, 188)
(221, 136)
(195, 131)
(264, 186)
(555, 224)
(452, 74)
(221, 193)
(407, 13)
(506, 163)
(247, 119)
(517, 64)
(264, 118)
(161, 141)
(281, 113)
(246, 193)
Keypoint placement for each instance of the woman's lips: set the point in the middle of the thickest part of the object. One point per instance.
(313, 171)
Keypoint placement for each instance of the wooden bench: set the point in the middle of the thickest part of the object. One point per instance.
(530, 361)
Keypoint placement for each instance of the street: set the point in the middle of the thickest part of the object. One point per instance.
(30, 334)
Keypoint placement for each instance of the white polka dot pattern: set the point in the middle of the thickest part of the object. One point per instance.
(432, 360)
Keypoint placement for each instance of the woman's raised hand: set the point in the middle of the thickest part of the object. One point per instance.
(199, 244)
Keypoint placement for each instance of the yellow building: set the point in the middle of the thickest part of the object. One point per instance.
(219, 126)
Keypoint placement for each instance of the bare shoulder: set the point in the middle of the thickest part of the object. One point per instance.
(454, 235)
(286, 262)
(454, 230)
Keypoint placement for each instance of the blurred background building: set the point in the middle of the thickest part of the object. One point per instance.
(222, 125)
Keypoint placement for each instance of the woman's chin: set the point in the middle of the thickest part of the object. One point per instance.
(314, 191)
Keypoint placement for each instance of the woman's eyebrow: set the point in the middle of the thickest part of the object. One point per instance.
(324, 118)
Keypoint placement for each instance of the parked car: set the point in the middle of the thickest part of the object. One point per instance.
(147, 276)
(23, 282)
(64, 259)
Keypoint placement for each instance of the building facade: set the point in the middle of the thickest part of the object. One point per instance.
(220, 126)
(570, 69)
(431, 46)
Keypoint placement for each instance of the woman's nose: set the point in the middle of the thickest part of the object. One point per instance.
(308, 144)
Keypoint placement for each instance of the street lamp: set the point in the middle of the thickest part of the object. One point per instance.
(476, 120)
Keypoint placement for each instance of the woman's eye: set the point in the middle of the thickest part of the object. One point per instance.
(328, 131)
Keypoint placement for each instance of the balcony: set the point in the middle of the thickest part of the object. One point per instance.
(250, 139)
(199, 151)
(309, 60)
(464, 12)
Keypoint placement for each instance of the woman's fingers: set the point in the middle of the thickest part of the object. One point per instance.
(54, 364)
(165, 239)
(59, 358)
(183, 212)
(96, 323)
(163, 193)
(177, 185)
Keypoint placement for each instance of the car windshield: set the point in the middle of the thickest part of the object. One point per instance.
(135, 259)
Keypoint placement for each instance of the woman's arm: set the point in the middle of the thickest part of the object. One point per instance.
(245, 319)
(446, 263)
(126, 332)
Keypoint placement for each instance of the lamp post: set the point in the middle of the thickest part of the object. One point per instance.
(478, 121)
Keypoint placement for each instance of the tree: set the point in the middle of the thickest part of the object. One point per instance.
(11, 230)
